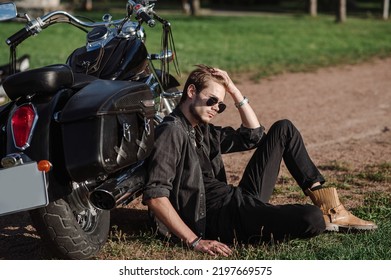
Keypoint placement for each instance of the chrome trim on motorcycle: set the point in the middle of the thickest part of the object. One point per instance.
(85, 213)
(98, 38)
(148, 103)
(45, 20)
(168, 55)
(147, 126)
(119, 190)
(12, 160)
(176, 94)
(126, 128)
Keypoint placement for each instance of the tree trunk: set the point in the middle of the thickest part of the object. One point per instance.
(196, 7)
(341, 11)
(85, 5)
(386, 8)
(313, 8)
(191, 7)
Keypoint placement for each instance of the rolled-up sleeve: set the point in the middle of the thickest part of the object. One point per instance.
(241, 139)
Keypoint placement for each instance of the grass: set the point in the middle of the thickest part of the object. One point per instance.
(263, 45)
(374, 245)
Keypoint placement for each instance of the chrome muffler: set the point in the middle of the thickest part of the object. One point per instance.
(119, 190)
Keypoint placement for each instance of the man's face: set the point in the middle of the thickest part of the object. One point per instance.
(200, 107)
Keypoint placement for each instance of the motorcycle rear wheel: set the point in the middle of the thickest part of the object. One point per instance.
(72, 228)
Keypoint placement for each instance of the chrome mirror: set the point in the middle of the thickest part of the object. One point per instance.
(7, 11)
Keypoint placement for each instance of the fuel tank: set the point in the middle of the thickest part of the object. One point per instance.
(120, 58)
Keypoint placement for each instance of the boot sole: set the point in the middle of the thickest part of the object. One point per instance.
(340, 228)
(332, 227)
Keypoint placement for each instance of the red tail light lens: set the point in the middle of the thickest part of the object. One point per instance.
(22, 123)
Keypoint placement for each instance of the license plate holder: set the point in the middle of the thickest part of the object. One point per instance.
(22, 187)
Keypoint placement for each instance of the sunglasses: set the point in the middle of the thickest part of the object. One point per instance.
(213, 101)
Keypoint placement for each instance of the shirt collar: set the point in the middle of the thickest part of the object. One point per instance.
(195, 133)
(179, 115)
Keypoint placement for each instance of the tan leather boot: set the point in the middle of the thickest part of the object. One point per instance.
(337, 218)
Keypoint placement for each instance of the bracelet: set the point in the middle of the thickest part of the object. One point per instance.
(195, 242)
(241, 103)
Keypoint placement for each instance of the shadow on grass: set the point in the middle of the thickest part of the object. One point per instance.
(130, 221)
(19, 240)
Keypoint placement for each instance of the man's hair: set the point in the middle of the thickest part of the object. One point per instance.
(200, 78)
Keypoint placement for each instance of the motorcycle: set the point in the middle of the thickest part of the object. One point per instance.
(74, 136)
(22, 64)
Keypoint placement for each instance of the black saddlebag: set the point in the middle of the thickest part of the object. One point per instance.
(107, 126)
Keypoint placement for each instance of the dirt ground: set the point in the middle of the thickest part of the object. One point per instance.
(343, 113)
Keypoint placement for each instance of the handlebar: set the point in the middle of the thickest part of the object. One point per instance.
(18, 37)
(146, 18)
(36, 25)
(46, 19)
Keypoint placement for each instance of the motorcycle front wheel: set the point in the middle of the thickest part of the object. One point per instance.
(72, 228)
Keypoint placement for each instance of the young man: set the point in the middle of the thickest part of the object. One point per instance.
(187, 191)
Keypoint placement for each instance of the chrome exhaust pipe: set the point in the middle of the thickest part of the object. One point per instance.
(119, 190)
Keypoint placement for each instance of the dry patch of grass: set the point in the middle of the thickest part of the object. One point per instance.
(365, 191)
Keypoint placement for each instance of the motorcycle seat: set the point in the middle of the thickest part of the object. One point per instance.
(82, 80)
(41, 81)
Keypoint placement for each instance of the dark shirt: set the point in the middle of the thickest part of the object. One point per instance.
(216, 191)
(186, 166)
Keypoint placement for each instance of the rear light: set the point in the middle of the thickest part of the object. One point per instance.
(22, 125)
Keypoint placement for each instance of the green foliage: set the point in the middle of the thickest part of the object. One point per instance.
(342, 177)
(380, 173)
(264, 45)
(335, 166)
(53, 45)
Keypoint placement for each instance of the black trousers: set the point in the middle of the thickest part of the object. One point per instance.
(248, 217)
